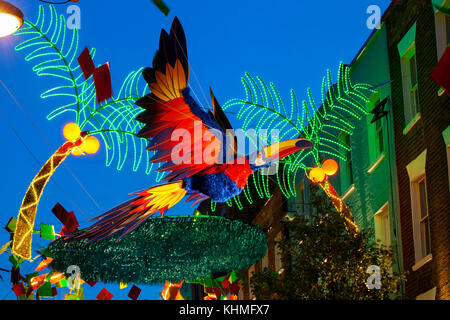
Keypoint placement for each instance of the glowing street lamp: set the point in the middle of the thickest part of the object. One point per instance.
(11, 18)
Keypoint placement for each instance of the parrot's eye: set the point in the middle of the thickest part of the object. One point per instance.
(260, 154)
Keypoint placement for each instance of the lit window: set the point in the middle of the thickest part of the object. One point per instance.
(424, 220)
(411, 92)
(346, 173)
(419, 209)
(414, 99)
(442, 32)
(407, 51)
(382, 226)
(375, 132)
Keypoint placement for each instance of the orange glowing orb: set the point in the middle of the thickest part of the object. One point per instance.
(91, 145)
(77, 152)
(330, 167)
(71, 131)
(317, 175)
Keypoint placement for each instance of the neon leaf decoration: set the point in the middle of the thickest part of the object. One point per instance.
(53, 50)
(262, 108)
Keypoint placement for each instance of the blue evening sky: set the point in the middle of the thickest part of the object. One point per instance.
(291, 43)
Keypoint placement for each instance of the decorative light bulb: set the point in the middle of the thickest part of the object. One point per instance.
(330, 167)
(71, 131)
(11, 19)
(317, 175)
(91, 145)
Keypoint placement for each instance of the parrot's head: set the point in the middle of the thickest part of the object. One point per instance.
(266, 156)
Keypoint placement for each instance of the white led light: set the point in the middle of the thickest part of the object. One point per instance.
(11, 19)
(8, 24)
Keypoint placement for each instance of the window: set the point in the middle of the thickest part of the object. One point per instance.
(379, 136)
(407, 51)
(376, 132)
(382, 226)
(419, 210)
(442, 32)
(414, 98)
(411, 94)
(347, 167)
(424, 220)
(446, 136)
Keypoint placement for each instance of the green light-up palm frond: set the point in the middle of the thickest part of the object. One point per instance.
(53, 53)
(263, 108)
(53, 50)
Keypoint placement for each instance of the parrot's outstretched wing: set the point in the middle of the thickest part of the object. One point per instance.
(188, 139)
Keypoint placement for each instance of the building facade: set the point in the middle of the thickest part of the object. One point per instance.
(421, 117)
(396, 177)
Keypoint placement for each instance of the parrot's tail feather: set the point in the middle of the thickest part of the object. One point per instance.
(129, 215)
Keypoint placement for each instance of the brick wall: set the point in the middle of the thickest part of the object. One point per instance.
(269, 218)
(426, 134)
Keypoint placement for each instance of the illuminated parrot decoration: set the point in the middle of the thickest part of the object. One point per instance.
(196, 168)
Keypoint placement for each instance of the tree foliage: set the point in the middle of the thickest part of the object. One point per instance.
(322, 261)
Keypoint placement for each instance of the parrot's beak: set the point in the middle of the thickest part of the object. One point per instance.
(282, 149)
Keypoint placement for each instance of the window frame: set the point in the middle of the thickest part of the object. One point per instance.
(346, 175)
(410, 92)
(383, 225)
(374, 131)
(425, 245)
(442, 26)
(417, 173)
(407, 50)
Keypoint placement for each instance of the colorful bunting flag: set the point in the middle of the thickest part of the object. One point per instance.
(104, 295)
(18, 289)
(86, 63)
(44, 264)
(31, 276)
(11, 225)
(15, 260)
(45, 290)
(91, 283)
(5, 247)
(134, 292)
(102, 81)
(441, 73)
(48, 232)
(68, 219)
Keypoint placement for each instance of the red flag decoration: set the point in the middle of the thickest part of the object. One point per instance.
(67, 218)
(104, 295)
(19, 289)
(441, 73)
(102, 81)
(134, 292)
(234, 288)
(102, 76)
(225, 283)
(91, 283)
(86, 63)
